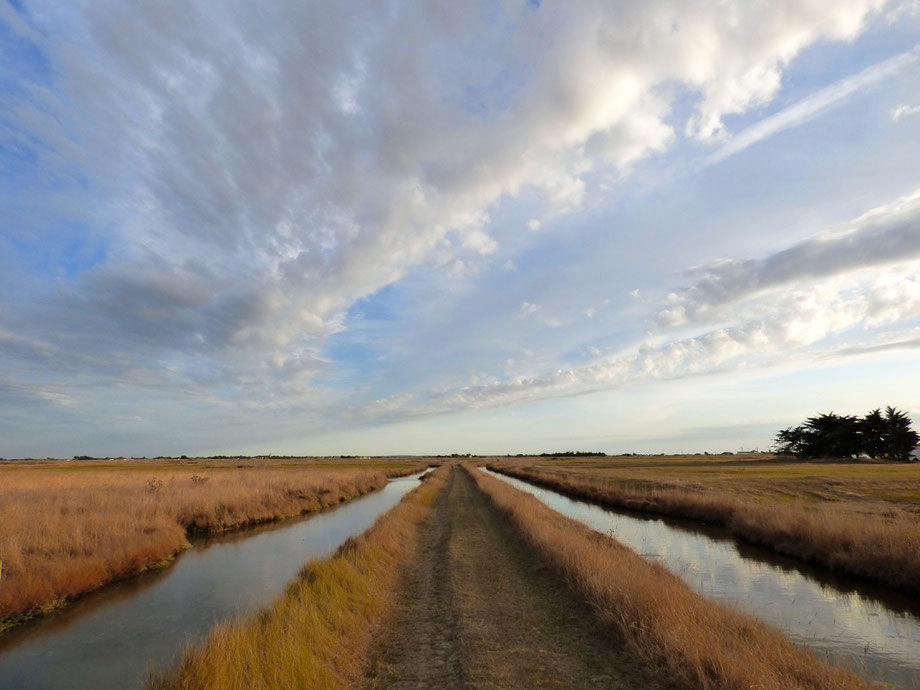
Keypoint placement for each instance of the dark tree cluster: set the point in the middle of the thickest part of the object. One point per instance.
(887, 436)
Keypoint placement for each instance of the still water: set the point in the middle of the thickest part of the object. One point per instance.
(111, 637)
(867, 628)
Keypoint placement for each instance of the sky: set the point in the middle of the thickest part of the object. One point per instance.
(493, 227)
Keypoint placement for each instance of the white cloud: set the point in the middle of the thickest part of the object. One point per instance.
(815, 104)
(886, 235)
(792, 322)
(223, 154)
(479, 241)
(387, 406)
(528, 308)
(903, 11)
(904, 111)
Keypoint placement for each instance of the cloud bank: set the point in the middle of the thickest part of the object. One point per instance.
(261, 167)
(885, 236)
(796, 302)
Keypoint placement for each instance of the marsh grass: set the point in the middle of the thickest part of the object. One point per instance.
(63, 533)
(858, 538)
(685, 637)
(318, 634)
(752, 476)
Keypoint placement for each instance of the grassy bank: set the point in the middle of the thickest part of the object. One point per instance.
(477, 609)
(318, 634)
(67, 531)
(873, 486)
(872, 539)
(687, 638)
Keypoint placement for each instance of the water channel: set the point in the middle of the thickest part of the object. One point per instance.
(870, 629)
(112, 637)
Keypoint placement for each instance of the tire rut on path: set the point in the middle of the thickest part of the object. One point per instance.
(476, 609)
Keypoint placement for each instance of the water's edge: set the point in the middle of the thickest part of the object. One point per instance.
(847, 621)
(110, 637)
(193, 537)
(820, 568)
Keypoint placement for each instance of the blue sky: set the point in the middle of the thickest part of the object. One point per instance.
(491, 227)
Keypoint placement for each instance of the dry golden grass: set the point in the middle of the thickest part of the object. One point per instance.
(752, 476)
(64, 532)
(318, 634)
(687, 638)
(872, 539)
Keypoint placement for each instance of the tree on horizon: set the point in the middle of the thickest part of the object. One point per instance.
(887, 436)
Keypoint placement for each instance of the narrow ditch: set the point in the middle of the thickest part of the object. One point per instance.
(872, 631)
(111, 637)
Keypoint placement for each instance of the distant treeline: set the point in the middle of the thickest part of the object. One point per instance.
(886, 436)
(564, 454)
(175, 457)
(269, 456)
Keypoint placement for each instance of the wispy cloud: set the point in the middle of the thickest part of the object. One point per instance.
(904, 111)
(909, 344)
(792, 323)
(816, 104)
(889, 234)
(27, 393)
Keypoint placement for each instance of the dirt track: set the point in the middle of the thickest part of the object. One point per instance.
(477, 610)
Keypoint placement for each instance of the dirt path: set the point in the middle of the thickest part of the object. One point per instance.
(477, 610)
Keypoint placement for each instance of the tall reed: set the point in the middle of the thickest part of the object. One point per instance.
(318, 634)
(687, 638)
(68, 532)
(880, 546)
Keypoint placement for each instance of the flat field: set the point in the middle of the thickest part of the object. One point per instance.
(757, 476)
(857, 518)
(67, 527)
